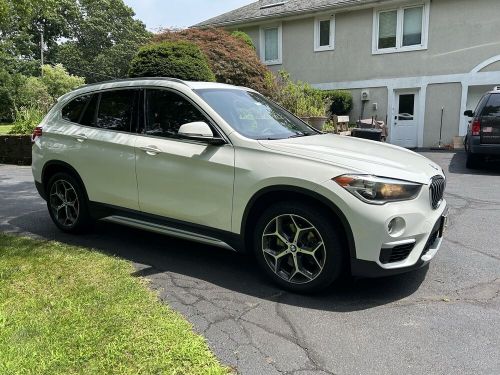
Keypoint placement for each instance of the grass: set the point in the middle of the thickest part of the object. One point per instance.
(69, 310)
(4, 129)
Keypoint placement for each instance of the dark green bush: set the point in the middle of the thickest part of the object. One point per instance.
(244, 37)
(340, 101)
(180, 59)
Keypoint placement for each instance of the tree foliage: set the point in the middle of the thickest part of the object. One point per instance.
(181, 60)
(244, 37)
(231, 59)
(58, 81)
(93, 38)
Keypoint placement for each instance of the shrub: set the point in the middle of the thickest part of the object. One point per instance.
(27, 118)
(58, 81)
(33, 93)
(231, 59)
(244, 37)
(177, 59)
(300, 98)
(340, 101)
(6, 105)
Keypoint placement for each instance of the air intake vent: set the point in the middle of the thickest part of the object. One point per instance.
(396, 254)
(436, 191)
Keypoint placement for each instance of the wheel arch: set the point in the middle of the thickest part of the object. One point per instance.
(271, 194)
(55, 166)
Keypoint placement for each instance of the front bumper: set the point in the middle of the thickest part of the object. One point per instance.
(374, 269)
(413, 247)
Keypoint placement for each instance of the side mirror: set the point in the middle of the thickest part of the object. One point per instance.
(469, 113)
(199, 131)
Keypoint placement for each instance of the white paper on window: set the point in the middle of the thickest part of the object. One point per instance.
(271, 44)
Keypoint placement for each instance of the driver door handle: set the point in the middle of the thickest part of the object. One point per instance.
(151, 150)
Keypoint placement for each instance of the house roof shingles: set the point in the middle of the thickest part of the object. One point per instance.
(253, 12)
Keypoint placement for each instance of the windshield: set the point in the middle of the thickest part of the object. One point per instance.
(254, 116)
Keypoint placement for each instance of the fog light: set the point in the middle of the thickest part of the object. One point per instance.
(396, 227)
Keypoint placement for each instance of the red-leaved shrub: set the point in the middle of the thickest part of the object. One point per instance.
(231, 59)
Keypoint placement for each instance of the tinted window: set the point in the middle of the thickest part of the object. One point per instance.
(167, 111)
(88, 117)
(116, 110)
(74, 110)
(492, 109)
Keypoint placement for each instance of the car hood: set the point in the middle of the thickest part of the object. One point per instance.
(357, 155)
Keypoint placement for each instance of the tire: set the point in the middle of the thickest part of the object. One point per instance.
(281, 256)
(67, 204)
(473, 161)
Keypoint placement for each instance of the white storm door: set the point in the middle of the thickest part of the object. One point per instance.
(405, 121)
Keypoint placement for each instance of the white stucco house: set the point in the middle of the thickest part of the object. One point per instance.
(410, 63)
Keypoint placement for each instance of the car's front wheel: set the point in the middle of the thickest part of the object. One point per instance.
(67, 204)
(299, 247)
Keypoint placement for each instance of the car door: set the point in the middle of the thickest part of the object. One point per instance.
(103, 150)
(181, 179)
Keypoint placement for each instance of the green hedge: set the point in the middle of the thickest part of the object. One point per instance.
(244, 37)
(181, 60)
(339, 101)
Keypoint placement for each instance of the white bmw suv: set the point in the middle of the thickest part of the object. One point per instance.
(225, 166)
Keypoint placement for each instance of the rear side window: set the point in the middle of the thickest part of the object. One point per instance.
(492, 108)
(115, 110)
(74, 110)
(166, 111)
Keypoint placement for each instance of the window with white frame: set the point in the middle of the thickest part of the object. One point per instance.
(401, 29)
(324, 33)
(271, 44)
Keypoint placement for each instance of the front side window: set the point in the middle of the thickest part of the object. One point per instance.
(401, 29)
(271, 45)
(166, 111)
(253, 116)
(115, 111)
(324, 29)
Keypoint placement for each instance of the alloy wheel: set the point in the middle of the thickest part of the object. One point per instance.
(64, 203)
(293, 249)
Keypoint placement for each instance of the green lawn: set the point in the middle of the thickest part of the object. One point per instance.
(4, 129)
(69, 310)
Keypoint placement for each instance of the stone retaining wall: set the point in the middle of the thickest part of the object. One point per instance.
(15, 149)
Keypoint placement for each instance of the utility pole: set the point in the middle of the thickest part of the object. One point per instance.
(41, 51)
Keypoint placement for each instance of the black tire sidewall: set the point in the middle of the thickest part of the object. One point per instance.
(335, 247)
(83, 221)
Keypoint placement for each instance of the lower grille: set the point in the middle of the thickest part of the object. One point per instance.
(396, 254)
(436, 191)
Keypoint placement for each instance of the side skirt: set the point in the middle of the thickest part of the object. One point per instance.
(166, 226)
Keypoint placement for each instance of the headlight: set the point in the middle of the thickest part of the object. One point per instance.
(378, 190)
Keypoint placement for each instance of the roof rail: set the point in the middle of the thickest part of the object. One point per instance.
(136, 79)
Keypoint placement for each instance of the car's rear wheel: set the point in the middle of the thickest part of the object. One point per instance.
(67, 204)
(299, 247)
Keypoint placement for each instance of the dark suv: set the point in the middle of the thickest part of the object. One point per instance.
(483, 135)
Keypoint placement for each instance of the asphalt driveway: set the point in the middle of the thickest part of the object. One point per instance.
(439, 320)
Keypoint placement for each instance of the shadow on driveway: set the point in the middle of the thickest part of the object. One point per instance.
(157, 254)
(490, 167)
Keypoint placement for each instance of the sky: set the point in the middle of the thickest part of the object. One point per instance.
(180, 13)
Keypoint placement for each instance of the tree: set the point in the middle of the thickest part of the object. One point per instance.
(105, 38)
(181, 60)
(231, 59)
(94, 38)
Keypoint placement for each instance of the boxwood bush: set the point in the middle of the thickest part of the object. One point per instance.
(175, 59)
(339, 101)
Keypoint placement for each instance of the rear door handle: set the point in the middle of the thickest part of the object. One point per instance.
(81, 137)
(151, 150)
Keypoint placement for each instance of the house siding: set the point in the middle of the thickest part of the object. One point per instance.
(462, 34)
